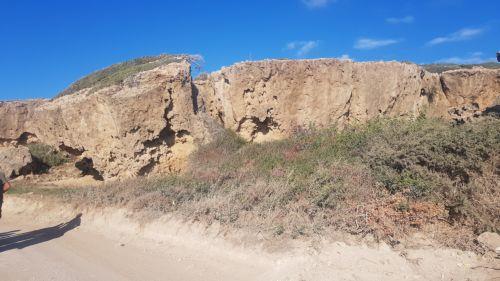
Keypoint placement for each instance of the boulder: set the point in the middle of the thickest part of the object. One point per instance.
(14, 161)
(490, 240)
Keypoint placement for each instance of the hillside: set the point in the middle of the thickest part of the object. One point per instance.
(117, 73)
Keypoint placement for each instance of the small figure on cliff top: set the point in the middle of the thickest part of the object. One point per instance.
(498, 56)
(5, 185)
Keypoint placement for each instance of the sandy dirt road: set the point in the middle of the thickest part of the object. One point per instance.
(37, 243)
(67, 252)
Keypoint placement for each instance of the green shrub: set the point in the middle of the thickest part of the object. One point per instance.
(210, 159)
(423, 159)
(442, 67)
(385, 178)
(47, 155)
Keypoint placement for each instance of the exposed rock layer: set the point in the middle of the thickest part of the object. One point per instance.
(144, 125)
(271, 99)
(14, 160)
(154, 119)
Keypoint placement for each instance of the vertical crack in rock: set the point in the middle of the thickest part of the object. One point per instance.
(444, 88)
(347, 107)
(391, 104)
(166, 137)
(194, 98)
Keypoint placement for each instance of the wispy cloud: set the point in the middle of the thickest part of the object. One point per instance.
(345, 57)
(407, 19)
(368, 44)
(461, 35)
(314, 4)
(474, 58)
(302, 48)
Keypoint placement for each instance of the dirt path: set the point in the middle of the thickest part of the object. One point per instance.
(76, 254)
(101, 247)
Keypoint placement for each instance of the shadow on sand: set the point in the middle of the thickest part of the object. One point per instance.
(14, 240)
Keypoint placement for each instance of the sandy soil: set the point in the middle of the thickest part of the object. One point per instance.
(38, 242)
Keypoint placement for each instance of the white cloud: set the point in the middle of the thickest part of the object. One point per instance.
(345, 57)
(317, 3)
(407, 19)
(302, 48)
(461, 35)
(368, 44)
(474, 58)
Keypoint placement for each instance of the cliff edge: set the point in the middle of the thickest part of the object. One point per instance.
(150, 121)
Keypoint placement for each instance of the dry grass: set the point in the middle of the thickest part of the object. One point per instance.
(117, 73)
(442, 67)
(387, 178)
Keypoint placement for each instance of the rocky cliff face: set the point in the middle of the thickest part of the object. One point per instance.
(145, 125)
(150, 122)
(471, 92)
(271, 99)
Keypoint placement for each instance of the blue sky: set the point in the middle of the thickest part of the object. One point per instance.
(46, 45)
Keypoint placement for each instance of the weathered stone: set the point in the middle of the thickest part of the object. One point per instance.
(14, 117)
(490, 240)
(14, 160)
(269, 100)
(153, 120)
(144, 125)
(476, 88)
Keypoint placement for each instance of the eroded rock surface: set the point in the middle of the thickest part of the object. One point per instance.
(479, 87)
(490, 240)
(145, 125)
(14, 160)
(269, 100)
(470, 93)
(150, 122)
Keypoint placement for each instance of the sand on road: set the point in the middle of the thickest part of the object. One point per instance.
(30, 252)
(107, 246)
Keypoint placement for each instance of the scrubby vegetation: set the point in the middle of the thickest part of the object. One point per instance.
(47, 155)
(387, 178)
(116, 74)
(442, 67)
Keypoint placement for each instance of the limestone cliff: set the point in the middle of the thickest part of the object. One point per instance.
(471, 92)
(144, 125)
(270, 99)
(150, 122)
